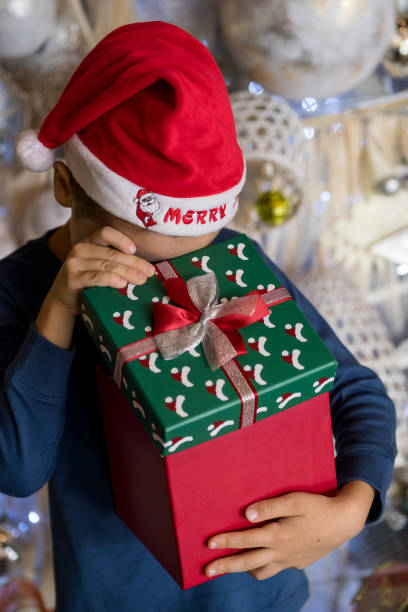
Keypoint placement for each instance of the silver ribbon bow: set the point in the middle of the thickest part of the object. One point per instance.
(203, 292)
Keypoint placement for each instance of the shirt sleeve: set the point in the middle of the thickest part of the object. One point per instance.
(34, 377)
(363, 416)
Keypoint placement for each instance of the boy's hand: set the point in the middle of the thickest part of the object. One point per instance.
(104, 258)
(301, 528)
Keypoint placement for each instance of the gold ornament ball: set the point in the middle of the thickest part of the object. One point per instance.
(273, 208)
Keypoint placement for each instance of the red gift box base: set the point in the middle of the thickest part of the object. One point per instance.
(174, 504)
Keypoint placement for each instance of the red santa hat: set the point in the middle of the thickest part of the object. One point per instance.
(148, 131)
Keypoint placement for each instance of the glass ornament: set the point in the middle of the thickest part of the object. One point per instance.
(24, 26)
(307, 49)
(273, 208)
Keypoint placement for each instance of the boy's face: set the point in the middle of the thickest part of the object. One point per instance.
(151, 245)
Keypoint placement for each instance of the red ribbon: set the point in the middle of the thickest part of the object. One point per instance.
(167, 317)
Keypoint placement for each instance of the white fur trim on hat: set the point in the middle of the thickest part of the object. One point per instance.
(164, 214)
(32, 153)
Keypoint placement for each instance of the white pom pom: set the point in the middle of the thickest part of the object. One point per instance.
(32, 153)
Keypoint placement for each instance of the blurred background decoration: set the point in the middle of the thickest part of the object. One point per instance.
(319, 91)
(318, 47)
(359, 326)
(396, 58)
(195, 16)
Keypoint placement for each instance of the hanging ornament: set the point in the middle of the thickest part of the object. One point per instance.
(396, 58)
(303, 48)
(273, 142)
(273, 208)
(25, 25)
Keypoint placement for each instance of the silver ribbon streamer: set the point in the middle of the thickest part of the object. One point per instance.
(203, 292)
(130, 353)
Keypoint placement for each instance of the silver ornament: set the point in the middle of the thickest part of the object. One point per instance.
(24, 26)
(43, 75)
(301, 48)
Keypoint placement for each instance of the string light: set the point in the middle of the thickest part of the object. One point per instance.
(309, 132)
(33, 517)
(310, 105)
(402, 269)
(255, 88)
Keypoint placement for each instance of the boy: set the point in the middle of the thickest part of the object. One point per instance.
(153, 168)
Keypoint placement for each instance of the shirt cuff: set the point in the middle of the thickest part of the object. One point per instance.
(41, 366)
(373, 468)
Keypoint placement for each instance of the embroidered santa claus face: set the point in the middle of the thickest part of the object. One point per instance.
(147, 206)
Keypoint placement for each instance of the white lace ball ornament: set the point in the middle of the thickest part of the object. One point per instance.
(272, 138)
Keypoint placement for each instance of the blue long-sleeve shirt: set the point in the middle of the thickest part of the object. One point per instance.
(51, 430)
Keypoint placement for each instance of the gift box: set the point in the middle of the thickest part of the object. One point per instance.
(217, 396)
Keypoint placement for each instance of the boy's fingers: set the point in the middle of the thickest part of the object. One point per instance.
(102, 279)
(247, 538)
(241, 562)
(91, 252)
(109, 236)
(290, 504)
(95, 268)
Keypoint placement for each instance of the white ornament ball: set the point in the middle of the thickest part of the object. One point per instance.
(268, 129)
(300, 48)
(24, 26)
